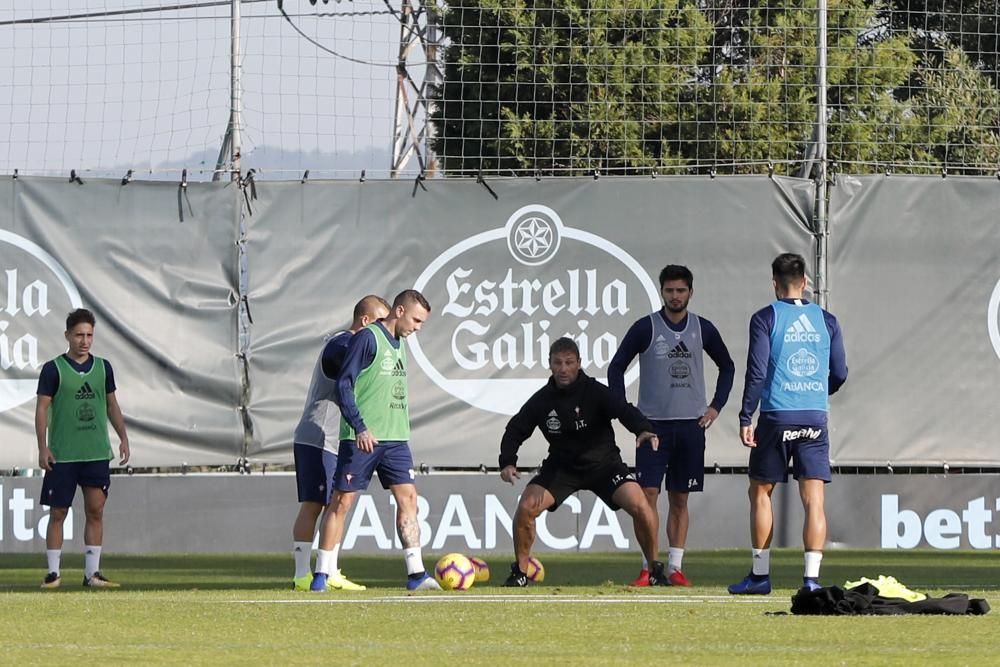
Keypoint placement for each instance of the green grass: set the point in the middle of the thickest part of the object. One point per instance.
(238, 609)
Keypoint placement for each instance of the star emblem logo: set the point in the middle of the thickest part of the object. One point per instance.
(533, 237)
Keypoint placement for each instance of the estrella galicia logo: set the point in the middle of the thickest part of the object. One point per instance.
(33, 286)
(86, 412)
(993, 318)
(502, 310)
(679, 370)
(803, 363)
(398, 391)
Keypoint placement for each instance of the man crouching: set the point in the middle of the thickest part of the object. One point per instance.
(574, 412)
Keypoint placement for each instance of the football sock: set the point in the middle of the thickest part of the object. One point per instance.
(414, 563)
(813, 560)
(761, 562)
(302, 552)
(674, 558)
(91, 560)
(645, 563)
(323, 559)
(53, 556)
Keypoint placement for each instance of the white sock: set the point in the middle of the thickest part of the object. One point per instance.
(761, 561)
(323, 559)
(675, 556)
(91, 560)
(303, 554)
(645, 563)
(53, 556)
(813, 560)
(414, 562)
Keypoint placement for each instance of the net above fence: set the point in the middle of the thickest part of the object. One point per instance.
(550, 87)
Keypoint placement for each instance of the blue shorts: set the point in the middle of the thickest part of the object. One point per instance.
(806, 446)
(391, 460)
(314, 470)
(680, 458)
(59, 484)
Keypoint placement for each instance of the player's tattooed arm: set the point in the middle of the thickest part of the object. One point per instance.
(409, 531)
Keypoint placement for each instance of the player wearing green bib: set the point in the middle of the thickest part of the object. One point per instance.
(375, 430)
(76, 400)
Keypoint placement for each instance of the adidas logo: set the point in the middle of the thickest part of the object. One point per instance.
(802, 331)
(399, 364)
(680, 350)
(85, 392)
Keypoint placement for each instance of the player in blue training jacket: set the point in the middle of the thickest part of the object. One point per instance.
(795, 361)
(316, 442)
(669, 344)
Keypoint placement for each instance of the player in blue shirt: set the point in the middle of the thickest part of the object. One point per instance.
(316, 443)
(669, 344)
(795, 360)
(373, 395)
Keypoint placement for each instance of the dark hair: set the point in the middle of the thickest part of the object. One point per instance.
(368, 306)
(676, 272)
(787, 268)
(78, 316)
(411, 296)
(564, 344)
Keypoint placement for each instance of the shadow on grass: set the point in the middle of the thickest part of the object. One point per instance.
(920, 570)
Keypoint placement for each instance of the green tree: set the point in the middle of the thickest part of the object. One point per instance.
(634, 85)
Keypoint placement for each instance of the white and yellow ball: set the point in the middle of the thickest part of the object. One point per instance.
(535, 571)
(455, 572)
(482, 569)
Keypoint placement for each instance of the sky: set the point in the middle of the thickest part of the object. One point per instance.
(151, 92)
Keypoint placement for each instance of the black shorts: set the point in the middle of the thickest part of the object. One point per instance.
(59, 484)
(562, 481)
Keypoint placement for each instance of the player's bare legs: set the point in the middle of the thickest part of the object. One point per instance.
(334, 516)
(761, 514)
(93, 506)
(631, 498)
(305, 522)
(535, 500)
(652, 495)
(812, 492)
(408, 529)
(407, 525)
(677, 519)
(54, 533)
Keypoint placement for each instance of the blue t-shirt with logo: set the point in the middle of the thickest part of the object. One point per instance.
(795, 360)
(48, 379)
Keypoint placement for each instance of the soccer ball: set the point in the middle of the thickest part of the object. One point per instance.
(535, 571)
(482, 569)
(455, 572)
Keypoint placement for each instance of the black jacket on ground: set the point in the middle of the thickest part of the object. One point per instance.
(576, 422)
(865, 600)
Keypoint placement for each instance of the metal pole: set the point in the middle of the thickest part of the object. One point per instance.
(821, 288)
(235, 91)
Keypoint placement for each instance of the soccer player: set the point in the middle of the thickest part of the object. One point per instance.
(669, 344)
(76, 399)
(574, 413)
(315, 447)
(795, 361)
(375, 431)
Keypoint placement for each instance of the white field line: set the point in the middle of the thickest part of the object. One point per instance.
(508, 599)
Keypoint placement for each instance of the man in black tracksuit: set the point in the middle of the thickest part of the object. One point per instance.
(574, 412)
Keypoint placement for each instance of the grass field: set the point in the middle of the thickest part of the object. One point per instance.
(238, 609)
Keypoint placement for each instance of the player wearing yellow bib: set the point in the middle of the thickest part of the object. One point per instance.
(76, 399)
(375, 432)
